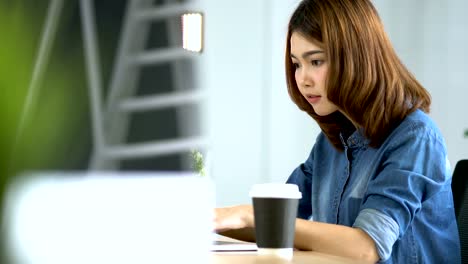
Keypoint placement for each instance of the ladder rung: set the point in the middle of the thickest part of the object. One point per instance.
(166, 11)
(159, 148)
(161, 56)
(160, 101)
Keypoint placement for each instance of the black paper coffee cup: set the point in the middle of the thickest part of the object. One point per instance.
(275, 209)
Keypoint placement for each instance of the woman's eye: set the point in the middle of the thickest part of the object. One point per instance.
(296, 65)
(317, 62)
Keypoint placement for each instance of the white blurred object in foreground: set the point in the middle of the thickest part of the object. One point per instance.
(110, 218)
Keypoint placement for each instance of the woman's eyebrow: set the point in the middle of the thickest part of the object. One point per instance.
(308, 53)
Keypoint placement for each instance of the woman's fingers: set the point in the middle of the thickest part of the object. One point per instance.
(234, 217)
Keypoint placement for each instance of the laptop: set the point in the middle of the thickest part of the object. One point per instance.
(226, 244)
(113, 217)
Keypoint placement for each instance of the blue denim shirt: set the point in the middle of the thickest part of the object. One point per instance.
(400, 193)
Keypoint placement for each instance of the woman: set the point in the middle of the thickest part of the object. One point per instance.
(376, 185)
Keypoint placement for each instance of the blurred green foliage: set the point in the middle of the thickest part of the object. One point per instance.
(15, 69)
(56, 109)
(54, 115)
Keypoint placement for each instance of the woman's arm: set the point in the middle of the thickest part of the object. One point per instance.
(335, 239)
(238, 222)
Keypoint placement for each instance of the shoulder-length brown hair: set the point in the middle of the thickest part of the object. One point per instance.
(366, 79)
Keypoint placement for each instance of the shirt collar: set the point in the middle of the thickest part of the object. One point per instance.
(356, 139)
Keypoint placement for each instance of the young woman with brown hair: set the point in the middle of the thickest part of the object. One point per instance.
(376, 185)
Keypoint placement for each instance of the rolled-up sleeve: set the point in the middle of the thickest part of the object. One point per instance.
(381, 228)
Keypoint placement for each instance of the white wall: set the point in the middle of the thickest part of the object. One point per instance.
(456, 80)
(234, 77)
(258, 134)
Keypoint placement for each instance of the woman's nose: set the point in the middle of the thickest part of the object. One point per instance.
(303, 78)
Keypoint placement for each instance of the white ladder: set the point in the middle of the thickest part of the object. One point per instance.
(110, 118)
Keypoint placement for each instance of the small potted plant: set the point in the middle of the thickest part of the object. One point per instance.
(198, 163)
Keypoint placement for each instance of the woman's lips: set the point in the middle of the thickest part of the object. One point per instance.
(313, 98)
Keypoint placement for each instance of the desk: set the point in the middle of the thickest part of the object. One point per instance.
(300, 257)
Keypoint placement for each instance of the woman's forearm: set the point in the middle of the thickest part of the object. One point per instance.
(335, 239)
(238, 222)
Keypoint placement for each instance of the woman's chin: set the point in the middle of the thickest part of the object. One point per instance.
(324, 112)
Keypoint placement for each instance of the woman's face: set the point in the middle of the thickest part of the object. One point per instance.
(311, 66)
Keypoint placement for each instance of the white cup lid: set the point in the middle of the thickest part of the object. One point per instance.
(275, 190)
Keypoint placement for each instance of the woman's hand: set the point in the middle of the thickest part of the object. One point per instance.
(233, 217)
